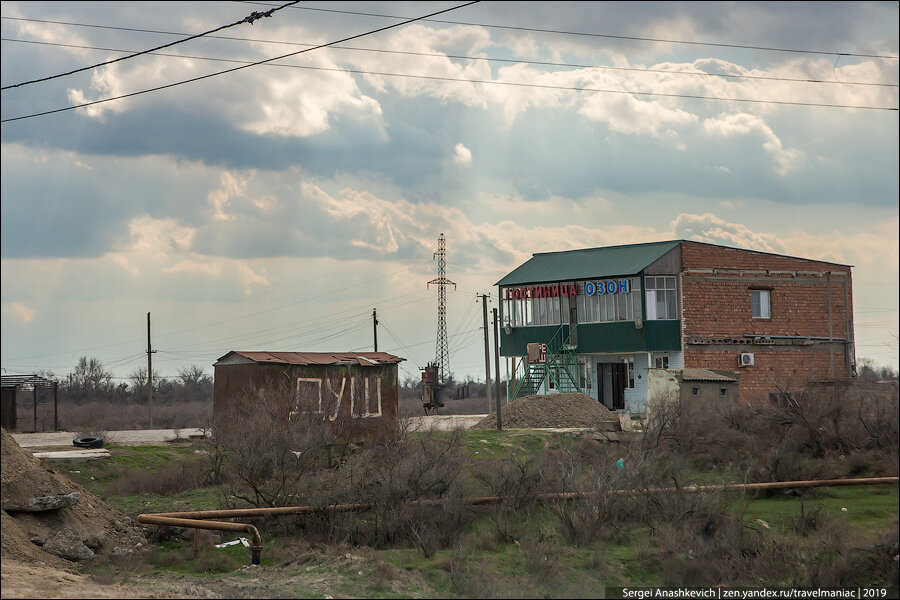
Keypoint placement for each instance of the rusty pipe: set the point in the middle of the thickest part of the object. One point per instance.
(255, 538)
(198, 518)
(237, 513)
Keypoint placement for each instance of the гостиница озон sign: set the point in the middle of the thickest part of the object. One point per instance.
(591, 288)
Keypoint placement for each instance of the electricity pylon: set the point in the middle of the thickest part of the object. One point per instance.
(442, 352)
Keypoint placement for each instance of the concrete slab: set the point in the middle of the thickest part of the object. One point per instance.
(81, 454)
(443, 422)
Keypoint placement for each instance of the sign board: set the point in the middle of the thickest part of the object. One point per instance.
(537, 353)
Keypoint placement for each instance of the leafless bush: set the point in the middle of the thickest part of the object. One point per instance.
(259, 450)
(517, 481)
(414, 487)
(541, 558)
(104, 415)
(165, 481)
(812, 433)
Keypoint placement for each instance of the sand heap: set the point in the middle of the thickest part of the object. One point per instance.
(48, 518)
(551, 410)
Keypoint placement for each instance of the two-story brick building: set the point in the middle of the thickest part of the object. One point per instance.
(609, 316)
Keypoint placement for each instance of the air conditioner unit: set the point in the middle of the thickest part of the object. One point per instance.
(746, 359)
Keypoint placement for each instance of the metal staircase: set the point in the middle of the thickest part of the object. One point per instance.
(560, 372)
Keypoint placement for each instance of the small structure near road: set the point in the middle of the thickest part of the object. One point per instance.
(355, 392)
(13, 386)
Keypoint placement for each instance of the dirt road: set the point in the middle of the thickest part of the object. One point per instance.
(137, 437)
(150, 437)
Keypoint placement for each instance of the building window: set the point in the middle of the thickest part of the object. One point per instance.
(585, 369)
(525, 312)
(662, 302)
(605, 301)
(760, 304)
(695, 391)
(662, 362)
(723, 392)
(629, 375)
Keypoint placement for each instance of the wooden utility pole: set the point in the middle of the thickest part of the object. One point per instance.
(487, 354)
(375, 328)
(497, 371)
(150, 352)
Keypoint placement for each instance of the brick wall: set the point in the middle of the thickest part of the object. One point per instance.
(809, 299)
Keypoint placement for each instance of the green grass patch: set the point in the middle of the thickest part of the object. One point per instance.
(869, 510)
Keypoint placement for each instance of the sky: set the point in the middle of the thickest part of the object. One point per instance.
(275, 206)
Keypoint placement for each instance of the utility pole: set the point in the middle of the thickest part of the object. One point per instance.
(150, 352)
(487, 354)
(375, 328)
(497, 371)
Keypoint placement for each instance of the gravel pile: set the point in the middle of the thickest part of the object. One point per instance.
(551, 410)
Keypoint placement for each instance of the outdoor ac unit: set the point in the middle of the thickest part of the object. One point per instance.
(746, 359)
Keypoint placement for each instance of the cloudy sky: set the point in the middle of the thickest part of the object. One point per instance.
(273, 207)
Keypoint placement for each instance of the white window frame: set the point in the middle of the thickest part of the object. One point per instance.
(629, 372)
(667, 296)
(764, 309)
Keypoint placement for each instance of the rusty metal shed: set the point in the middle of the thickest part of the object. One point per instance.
(356, 391)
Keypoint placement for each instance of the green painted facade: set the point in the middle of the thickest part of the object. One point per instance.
(594, 338)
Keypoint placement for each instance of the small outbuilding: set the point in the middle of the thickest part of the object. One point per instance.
(694, 384)
(14, 386)
(355, 392)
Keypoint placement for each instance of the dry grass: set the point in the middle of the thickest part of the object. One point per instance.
(102, 415)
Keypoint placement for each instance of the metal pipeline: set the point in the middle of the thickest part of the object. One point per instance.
(255, 539)
(198, 518)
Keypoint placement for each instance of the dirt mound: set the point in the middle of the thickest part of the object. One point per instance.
(47, 517)
(551, 410)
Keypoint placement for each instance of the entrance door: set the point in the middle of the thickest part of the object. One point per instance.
(619, 375)
(611, 384)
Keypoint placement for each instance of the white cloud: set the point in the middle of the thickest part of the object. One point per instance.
(742, 124)
(710, 228)
(231, 186)
(462, 155)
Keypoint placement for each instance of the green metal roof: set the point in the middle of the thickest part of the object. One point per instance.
(609, 261)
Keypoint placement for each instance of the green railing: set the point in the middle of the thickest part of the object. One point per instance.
(557, 371)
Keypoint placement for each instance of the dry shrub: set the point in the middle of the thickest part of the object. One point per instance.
(406, 490)
(813, 433)
(471, 578)
(517, 481)
(104, 415)
(165, 481)
(260, 451)
(541, 558)
(414, 487)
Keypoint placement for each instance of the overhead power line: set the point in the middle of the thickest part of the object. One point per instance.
(232, 70)
(254, 16)
(603, 35)
(478, 81)
(473, 58)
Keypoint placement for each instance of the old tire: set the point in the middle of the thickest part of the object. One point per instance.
(88, 441)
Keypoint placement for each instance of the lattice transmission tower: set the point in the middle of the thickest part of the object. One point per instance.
(442, 351)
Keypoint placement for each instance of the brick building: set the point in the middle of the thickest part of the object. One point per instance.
(601, 320)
